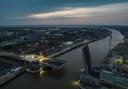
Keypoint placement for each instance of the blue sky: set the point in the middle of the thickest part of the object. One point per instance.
(63, 12)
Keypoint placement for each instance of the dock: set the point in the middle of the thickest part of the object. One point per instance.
(54, 64)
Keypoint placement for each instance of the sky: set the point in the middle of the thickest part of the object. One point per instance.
(63, 12)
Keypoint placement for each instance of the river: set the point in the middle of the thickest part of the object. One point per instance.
(64, 78)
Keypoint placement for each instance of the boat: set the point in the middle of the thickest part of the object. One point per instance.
(53, 64)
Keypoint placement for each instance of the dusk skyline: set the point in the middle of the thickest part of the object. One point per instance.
(64, 12)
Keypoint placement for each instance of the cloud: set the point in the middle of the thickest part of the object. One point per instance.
(114, 14)
(104, 10)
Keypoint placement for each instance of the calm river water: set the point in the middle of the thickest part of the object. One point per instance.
(63, 78)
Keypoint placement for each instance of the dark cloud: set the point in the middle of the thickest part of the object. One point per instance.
(9, 9)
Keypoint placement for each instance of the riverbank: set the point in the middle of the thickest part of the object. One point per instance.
(10, 75)
(76, 45)
(54, 55)
(71, 70)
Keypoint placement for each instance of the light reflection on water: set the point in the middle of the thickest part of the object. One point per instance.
(64, 78)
